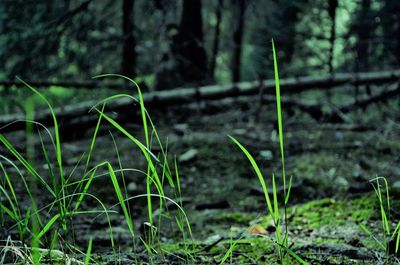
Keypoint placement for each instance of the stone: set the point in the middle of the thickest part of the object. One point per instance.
(188, 156)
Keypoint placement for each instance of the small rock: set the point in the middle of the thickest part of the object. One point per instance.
(188, 155)
(339, 136)
(396, 185)
(132, 187)
(274, 136)
(266, 154)
(212, 239)
(240, 132)
(181, 128)
(341, 182)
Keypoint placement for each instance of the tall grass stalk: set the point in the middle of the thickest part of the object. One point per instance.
(282, 238)
(147, 140)
(153, 177)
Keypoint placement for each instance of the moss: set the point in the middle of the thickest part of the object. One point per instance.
(332, 212)
(181, 247)
(251, 249)
(234, 218)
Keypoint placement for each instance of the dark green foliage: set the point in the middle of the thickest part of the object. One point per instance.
(178, 43)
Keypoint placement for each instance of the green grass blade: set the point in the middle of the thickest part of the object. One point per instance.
(88, 252)
(146, 152)
(13, 212)
(142, 108)
(258, 173)
(26, 165)
(93, 141)
(47, 227)
(294, 255)
(10, 185)
(368, 232)
(288, 190)
(178, 181)
(56, 130)
(121, 200)
(279, 113)
(275, 198)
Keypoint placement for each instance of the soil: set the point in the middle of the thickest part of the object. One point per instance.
(331, 165)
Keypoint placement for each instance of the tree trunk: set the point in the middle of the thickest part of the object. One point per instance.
(190, 45)
(128, 50)
(238, 40)
(363, 31)
(286, 39)
(391, 28)
(333, 4)
(76, 116)
(218, 14)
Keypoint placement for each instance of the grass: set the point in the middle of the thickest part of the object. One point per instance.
(390, 240)
(52, 225)
(46, 232)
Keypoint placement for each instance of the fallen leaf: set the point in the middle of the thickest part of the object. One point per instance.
(257, 230)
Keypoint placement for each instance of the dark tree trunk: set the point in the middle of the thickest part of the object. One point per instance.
(333, 4)
(288, 19)
(183, 61)
(391, 28)
(238, 39)
(218, 14)
(363, 31)
(128, 50)
(190, 45)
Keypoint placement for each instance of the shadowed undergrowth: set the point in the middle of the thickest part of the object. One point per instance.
(41, 225)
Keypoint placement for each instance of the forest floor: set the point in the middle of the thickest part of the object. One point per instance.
(331, 165)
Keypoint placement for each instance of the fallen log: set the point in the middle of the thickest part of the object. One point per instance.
(66, 84)
(337, 115)
(163, 99)
(288, 85)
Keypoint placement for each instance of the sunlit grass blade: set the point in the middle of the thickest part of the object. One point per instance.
(93, 141)
(88, 252)
(142, 108)
(258, 173)
(281, 143)
(275, 198)
(279, 113)
(146, 152)
(10, 185)
(121, 200)
(288, 190)
(47, 227)
(178, 181)
(397, 241)
(13, 211)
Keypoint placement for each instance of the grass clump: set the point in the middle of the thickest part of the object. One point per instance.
(390, 240)
(51, 227)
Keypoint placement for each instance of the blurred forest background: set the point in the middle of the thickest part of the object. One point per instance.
(206, 70)
(169, 43)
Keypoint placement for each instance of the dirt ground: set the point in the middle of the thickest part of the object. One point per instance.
(331, 165)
